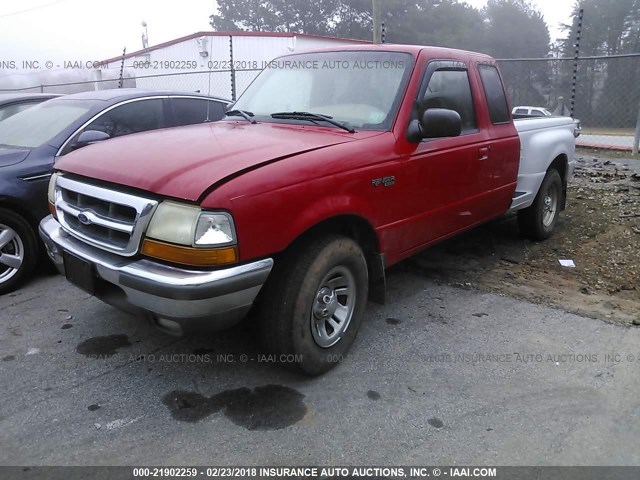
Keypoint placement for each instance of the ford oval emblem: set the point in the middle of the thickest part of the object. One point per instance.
(84, 219)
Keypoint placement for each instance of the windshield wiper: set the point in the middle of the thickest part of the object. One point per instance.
(241, 113)
(312, 117)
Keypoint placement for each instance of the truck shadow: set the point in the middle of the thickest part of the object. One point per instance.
(464, 258)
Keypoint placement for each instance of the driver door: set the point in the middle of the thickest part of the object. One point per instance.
(448, 173)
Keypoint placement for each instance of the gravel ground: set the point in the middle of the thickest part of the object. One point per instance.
(599, 231)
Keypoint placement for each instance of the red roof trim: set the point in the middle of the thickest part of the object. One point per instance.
(227, 34)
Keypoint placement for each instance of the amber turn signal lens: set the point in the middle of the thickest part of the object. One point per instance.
(52, 210)
(197, 257)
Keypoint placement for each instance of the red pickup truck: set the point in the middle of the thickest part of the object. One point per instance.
(332, 166)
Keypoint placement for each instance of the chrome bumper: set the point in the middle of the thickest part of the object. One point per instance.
(178, 299)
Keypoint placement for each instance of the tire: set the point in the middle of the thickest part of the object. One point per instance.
(538, 221)
(18, 250)
(301, 315)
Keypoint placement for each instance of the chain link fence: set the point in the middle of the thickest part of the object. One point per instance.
(604, 95)
(227, 84)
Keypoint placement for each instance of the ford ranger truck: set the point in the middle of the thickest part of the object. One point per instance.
(332, 166)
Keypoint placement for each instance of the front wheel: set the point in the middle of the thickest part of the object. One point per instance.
(18, 250)
(538, 221)
(312, 307)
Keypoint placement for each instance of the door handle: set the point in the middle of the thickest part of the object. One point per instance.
(483, 153)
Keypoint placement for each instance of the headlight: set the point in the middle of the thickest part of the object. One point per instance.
(174, 222)
(194, 237)
(189, 225)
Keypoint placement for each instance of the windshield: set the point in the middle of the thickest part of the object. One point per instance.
(38, 125)
(360, 88)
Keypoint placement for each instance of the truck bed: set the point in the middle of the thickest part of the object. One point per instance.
(542, 139)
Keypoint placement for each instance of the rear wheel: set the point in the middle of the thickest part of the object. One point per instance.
(18, 250)
(538, 221)
(312, 307)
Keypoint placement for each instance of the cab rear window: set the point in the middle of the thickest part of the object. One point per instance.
(494, 91)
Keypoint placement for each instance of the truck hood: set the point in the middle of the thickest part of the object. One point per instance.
(11, 156)
(184, 162)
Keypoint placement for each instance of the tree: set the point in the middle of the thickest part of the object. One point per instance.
(515, 29)
(607, 93)
(351, 19)
(345, 18)
(445, 23)
(297, 16)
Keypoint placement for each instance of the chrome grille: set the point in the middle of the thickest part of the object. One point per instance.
(105, 218)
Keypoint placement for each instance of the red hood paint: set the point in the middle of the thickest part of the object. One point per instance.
(183, 162)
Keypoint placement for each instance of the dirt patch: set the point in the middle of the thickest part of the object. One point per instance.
(599, 231)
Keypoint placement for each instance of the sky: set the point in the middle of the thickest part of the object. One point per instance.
(79, 30)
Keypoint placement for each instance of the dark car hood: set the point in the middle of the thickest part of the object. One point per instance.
(184, 162)
(11, 156)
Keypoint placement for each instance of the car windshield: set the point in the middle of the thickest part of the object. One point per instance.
(36, 126)
(359, 88)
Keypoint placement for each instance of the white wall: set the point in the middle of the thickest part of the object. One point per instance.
(250, 55)
(181, 66)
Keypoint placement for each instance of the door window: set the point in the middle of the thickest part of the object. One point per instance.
(132, 117)
(450, 88)
(189, 111)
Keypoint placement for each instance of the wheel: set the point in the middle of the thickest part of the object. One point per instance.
(18, 250)
(538, 221)
(311, 308)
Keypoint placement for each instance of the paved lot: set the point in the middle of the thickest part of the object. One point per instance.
(605, 141)
(76, 388)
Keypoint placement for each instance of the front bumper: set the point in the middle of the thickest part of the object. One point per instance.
(177, 299)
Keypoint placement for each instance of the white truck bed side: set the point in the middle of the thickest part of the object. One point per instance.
(542, 140)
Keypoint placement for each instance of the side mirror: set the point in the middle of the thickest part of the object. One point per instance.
(90, 136)
(435, 123)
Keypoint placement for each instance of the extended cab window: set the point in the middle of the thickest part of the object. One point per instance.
(451, 89)
(494, 91)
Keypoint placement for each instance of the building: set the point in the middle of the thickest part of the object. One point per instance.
(219, 63)
(222, 64)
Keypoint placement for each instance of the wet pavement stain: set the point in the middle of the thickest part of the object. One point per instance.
(8, 358)
(270, 407)
(435, 422)
(93, 408)
(103, 346)
(373, 395)
(66, 326)
(393, 321)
